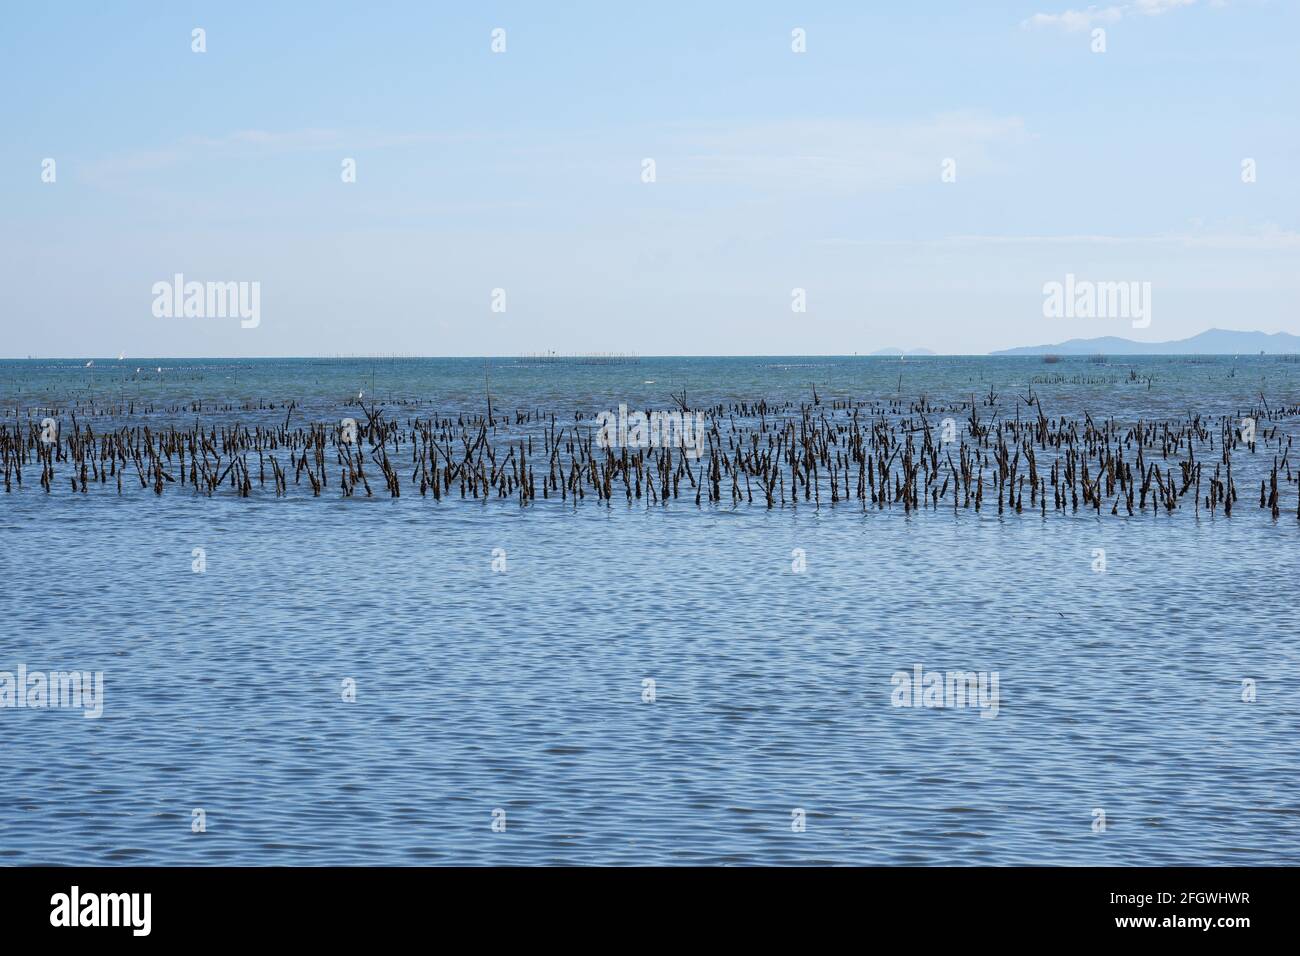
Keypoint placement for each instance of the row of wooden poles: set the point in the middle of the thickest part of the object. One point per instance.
(878, 455)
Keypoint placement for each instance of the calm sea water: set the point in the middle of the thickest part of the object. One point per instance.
(522, 691)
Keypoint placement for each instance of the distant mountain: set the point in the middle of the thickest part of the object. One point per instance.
(901, 352)
(1210, 342)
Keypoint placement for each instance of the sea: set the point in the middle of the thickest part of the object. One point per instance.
(358, 680)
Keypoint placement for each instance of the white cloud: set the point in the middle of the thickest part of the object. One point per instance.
(1076, 20)
(1155, 7)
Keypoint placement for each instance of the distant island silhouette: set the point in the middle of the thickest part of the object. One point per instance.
(1209, 342)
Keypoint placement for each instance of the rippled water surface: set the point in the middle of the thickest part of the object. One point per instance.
(522, 691)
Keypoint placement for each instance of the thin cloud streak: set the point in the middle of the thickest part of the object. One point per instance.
(1266, 238)
(1074, 21)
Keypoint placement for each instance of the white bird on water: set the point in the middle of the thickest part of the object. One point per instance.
(90, 363)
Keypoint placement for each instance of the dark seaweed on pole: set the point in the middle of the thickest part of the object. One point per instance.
(877, 455)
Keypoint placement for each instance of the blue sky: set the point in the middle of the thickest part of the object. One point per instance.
(522, 170)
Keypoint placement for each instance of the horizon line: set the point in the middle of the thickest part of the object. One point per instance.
(631, 359)
(613, 357)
